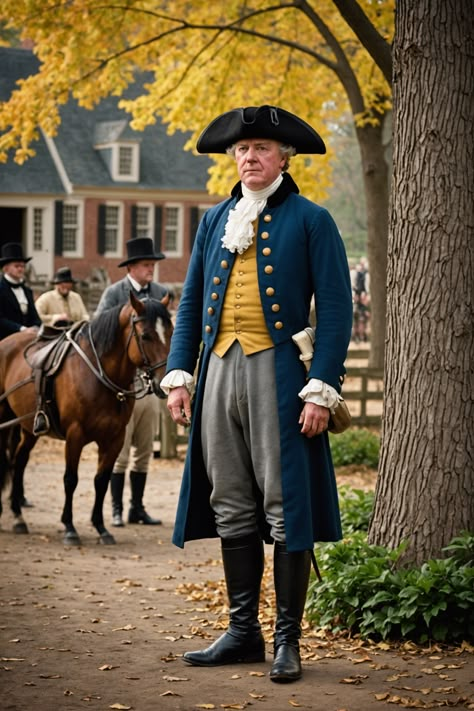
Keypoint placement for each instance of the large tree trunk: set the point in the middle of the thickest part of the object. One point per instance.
(375, 171)
(425, 484)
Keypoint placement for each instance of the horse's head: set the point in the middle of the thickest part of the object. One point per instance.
(150, 338)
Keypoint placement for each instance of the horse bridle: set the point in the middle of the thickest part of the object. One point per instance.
(149, 369)
(100, 373)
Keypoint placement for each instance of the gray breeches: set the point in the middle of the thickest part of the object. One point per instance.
(241, 441)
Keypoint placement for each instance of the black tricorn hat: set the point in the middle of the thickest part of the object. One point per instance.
(140, 248)
(63, 275)
(259, 122)
(13, 252)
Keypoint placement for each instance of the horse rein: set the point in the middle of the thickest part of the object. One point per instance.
(102, 376)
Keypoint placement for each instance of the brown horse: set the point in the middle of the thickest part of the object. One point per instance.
(92, 398)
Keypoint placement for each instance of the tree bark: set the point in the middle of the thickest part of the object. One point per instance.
(425, 485)
(375, 171)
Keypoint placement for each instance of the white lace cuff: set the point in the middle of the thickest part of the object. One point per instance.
(176, 379)
(319, 393)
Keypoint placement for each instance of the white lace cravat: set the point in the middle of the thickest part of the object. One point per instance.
(239, 229)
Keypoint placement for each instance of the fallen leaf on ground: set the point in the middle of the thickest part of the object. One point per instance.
(126, 628)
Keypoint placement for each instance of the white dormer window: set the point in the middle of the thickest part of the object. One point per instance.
(125, 162)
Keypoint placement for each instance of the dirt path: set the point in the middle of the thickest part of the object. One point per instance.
(101, 628)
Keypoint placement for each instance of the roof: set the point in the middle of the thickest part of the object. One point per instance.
(164, 164)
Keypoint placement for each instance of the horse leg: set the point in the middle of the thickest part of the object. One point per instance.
(4, 466)
(107, 457)
(6, 473)
(22, 443)
(101, 483)
(73, 451)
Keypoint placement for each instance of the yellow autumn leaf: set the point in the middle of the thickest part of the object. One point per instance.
(188, 50)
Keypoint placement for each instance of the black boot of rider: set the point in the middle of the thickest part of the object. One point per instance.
(137, 513)
(117, 481)
(243, 641)
(291, 576)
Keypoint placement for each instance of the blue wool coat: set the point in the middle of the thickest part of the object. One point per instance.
(299, 254)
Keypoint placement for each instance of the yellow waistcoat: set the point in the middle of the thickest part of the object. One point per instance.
(242, 317)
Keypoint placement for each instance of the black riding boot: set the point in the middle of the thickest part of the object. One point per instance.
(291, 575)
(117, 481)
(243, 641)
(137, 513)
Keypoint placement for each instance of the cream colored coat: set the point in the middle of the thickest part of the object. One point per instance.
(51, 305)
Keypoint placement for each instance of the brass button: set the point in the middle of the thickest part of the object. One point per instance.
(264, 235)
(269, 291)
(210, 310)
(238, 296)
(278, 325)
(267, 218)
(239, 332)
(224, 264)
(241, 273)
(237, 306)
(266, 251)
(208, 329)
(216, 280)
(268, 269)
(275, 307)
(239, 283)
(214, 296)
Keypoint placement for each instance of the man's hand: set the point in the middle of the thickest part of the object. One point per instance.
(314, 418)
(179, 405)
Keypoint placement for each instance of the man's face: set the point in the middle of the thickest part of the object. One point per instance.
(15, 270)
(259, 162)
(142, 271)
(64, 287)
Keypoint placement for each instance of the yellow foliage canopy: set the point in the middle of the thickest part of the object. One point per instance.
(206, 58)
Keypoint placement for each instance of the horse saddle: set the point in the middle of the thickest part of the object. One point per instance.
(52, 345)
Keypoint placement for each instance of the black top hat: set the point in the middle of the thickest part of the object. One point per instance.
(140, 248)
(13, 252)
(259, 122)
(63, 275)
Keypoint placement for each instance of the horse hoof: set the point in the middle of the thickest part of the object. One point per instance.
(106, 539)
(20, 527)
(71, 539)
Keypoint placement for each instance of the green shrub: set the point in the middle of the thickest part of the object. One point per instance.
(363, 591)
(355, 446)
(356, 509)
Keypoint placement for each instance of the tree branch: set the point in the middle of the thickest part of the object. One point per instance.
(378, 48)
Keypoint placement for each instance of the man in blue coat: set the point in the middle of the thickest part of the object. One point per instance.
(258, 465)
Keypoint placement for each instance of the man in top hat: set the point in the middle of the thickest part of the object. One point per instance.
(17, 306)
(141, 429)
(61, 306)
(258, 465)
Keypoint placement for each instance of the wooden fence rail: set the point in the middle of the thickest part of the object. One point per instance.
(362, 390)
